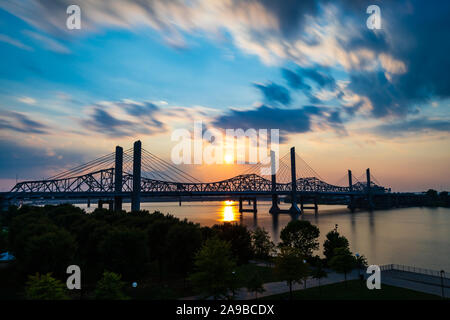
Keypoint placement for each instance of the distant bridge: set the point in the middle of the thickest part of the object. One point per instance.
(138, 175)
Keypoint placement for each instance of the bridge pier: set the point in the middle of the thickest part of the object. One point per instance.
(118, 176)
(109, 202)
(314, 207)
(136, 194)
(250, 200)
(294, 208)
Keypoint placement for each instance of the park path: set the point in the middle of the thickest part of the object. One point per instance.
(403, 279)
(415, 281)
(278, 287)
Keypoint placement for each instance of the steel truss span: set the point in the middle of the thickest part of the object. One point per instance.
(103, 181)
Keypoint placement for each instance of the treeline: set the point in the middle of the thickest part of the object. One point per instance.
(112, 249)
(437, 199)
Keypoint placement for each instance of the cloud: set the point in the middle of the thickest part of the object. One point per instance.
(34, 162)
(14, 42)
(395, 71)
(299, 120)
(275, 93)
(126, 118)
(48, 42)
(422, 125)
(27, 100)
(20, 122)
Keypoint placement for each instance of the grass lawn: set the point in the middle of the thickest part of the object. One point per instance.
(355, 290)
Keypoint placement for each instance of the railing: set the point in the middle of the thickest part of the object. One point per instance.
(401, 267)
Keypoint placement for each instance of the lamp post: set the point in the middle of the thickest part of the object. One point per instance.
(442, 283)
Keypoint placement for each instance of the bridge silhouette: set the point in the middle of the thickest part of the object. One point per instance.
(137, 175)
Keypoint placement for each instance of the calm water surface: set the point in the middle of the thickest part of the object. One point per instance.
(412, 236)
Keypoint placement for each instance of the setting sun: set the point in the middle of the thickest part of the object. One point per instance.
(229, 158)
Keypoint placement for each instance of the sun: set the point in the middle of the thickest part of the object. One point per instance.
(228, 158)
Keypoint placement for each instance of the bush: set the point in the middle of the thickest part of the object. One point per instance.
(45, 287)
(110, 287)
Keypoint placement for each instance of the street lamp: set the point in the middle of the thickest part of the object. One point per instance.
(442, 283)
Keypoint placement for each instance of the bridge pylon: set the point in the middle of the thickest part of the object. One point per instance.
(118, 178)
(369, 192)
(351, 205)
(274, 208)
(136, 193)
(294, 207)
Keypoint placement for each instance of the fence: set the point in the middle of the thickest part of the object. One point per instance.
(400, 267)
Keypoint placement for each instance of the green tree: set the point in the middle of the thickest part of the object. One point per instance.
(239, 238)
(3, 240)
(125, 251)
(343, 261)
(301, 234)
(183, 241)
(255, 284)
(290, 265)
(110, 287)
(361, 263)
(214, 264)
(157, 240)
(263, 247)
(43, 248)
(45, 287)
(334, 240)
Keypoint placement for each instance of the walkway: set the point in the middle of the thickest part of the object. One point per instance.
(403, 279)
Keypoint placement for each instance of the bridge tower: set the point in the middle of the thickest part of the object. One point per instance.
(294, 208)
(369, 193)
(274, 208)
(351, 205)
(136, 194)
(118, 178)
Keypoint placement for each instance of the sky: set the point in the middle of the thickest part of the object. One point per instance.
(346, 96)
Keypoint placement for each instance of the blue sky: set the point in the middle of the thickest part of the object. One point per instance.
(137, 70)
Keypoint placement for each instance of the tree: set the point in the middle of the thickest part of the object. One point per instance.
(50, 250)
(183, 241)
(263, 247)
(45, 287)
(290, 265)
(300, 234)
(3, 240)
(343, 261)
(361, 263)
(239, 238)
(125, 251)
(334, 240)
(110, 287)
(214, 265)
(255, 284)
(318, 273)
(157, 240)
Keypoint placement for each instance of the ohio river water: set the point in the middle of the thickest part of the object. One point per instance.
(416, 236)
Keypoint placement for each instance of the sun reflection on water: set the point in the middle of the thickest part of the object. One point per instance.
(229, 212)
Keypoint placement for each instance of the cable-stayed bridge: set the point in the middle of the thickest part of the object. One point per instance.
(137, 175)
